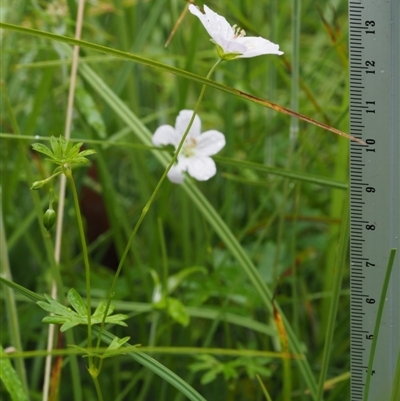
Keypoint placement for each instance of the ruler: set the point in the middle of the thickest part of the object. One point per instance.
(374, 27)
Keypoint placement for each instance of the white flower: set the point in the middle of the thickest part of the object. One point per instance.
(232, 41)
(194, 156)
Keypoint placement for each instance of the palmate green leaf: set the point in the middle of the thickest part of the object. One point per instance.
(64, 152)
(69, 318)
(140, 357)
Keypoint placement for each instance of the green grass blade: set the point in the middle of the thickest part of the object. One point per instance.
(378, 321)
(173, 70)
(264, 390)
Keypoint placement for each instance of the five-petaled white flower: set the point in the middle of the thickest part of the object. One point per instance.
(232, 41)
(194, 156)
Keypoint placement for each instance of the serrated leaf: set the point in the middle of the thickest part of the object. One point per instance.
(69, 318)
(39, 147)
(74, 151)
(77, 302)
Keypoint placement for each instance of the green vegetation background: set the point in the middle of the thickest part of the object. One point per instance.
(285, 208)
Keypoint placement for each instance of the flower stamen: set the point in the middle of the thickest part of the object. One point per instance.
(188, 149)
(238, 32)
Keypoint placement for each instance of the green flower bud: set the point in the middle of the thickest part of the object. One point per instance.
(38, 184)
(49, 218)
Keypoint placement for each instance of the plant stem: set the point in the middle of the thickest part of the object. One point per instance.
(151, 200)
(68, 174)
(98, 389)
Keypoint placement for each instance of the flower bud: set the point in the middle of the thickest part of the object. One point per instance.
(49, 218)
(38, 184)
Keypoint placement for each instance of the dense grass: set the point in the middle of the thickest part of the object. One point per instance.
(265, 239)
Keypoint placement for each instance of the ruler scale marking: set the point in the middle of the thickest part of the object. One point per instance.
(374, 42)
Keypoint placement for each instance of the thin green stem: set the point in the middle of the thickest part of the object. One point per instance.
(68, 174)
(164, 260)
(151, 200)
(98, 388)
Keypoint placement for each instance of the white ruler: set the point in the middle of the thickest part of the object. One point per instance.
(375, 191)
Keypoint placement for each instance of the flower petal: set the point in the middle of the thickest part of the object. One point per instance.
(175, 175)
(202, 168)
(166, 135)
(215, 24)
(231, 41)
(182, 122)
(209, 143)
(231, 45)
(257, 46)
